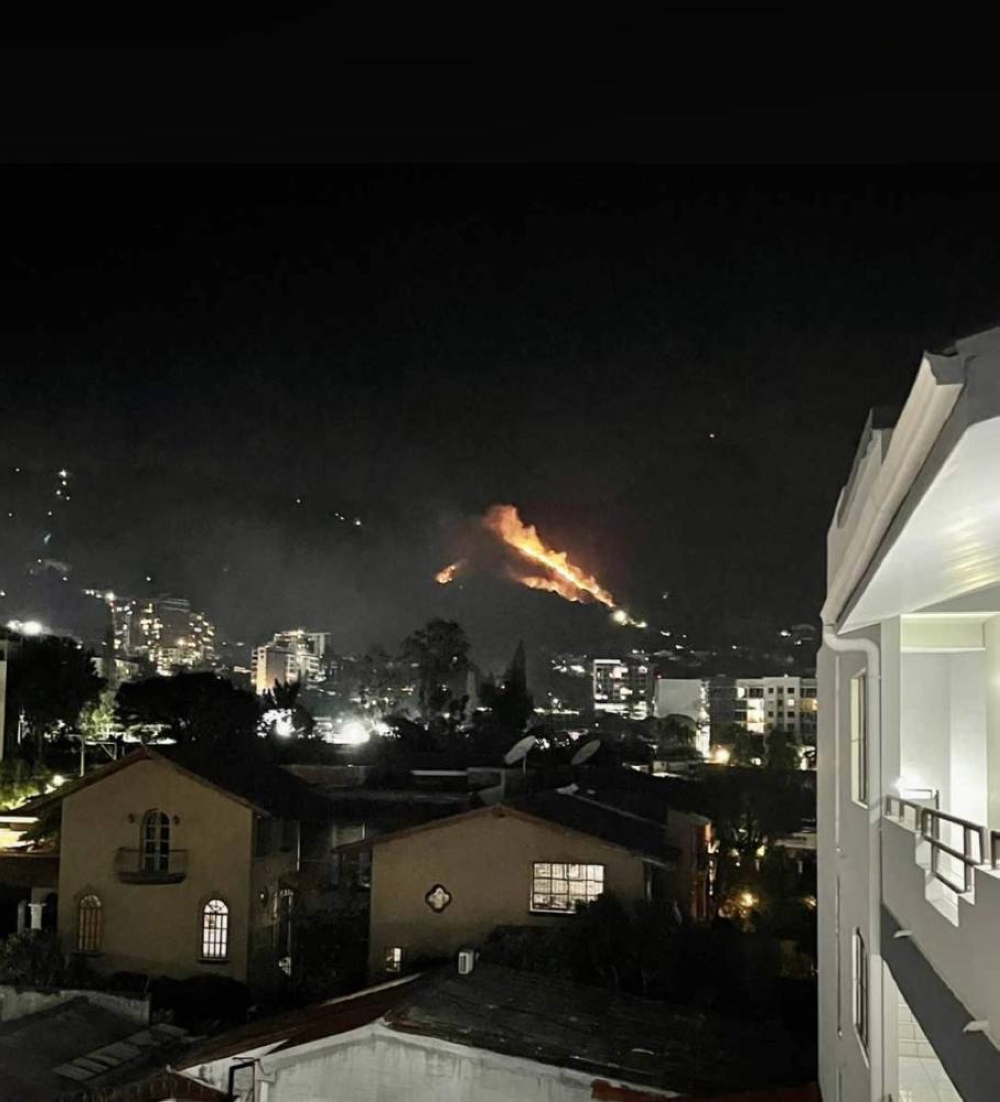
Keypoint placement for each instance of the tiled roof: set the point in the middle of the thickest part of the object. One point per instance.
(632, 832)
(538, 1017)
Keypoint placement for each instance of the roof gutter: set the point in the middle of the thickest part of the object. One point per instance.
(935, 391)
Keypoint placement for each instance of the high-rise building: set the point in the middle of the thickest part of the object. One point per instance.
(909, 748)
(291, 656)
(622, 686)
(166, 631)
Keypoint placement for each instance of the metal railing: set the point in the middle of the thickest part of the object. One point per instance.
(135, 866)
(965, 855)
(928, 822)
(913, 805)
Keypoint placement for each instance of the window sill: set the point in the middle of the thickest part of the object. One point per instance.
(88, 953)
(214, 960)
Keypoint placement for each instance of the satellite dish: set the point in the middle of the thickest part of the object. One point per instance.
(519, 750)
(586, 752)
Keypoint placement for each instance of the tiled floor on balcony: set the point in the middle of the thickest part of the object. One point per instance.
(921, 1076)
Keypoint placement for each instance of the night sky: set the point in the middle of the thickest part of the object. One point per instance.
(665, 368)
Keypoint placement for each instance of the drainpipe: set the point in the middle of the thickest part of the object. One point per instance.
(873, 673)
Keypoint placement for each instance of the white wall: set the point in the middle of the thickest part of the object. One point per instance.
(376, 1064)
(848, 851)
(943, 728)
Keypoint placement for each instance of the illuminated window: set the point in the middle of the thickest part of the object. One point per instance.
(561, 888)
(394, 959)
(155, 841)
(859, 738)
(861, 990)
(214, 930)
(88, 925)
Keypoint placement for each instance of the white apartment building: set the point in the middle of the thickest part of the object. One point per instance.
(622, 686)
(296, 655)
(763, 703)
(686, 697)
(909, 748)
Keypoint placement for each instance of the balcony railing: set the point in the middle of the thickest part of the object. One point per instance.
(135, 866)
(928, 822)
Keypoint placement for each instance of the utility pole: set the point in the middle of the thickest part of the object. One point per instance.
(4, 652)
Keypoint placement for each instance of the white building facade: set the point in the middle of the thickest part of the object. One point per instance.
(685, 697)
(909, 748)
(763, 703)
(291, 656)
(622, 686)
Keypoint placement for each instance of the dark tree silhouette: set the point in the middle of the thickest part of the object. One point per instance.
(50, 679)
(190, 707)
(438, 651)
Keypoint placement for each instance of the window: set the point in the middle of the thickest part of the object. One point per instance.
(861, 990)
(155, 841)
(214, 930)
(394, 959)
(770, 690)
(88, 925)
(859, 738)
(561, 888)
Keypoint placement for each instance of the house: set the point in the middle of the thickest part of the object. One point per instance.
(447, 884)
(909, 747)
(491, 1034)
(174, 866)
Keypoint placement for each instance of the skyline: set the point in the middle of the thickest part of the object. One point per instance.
(235, 384)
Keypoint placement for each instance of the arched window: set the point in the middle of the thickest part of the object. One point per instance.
(214, 930)
(88, 924)
(155, 841)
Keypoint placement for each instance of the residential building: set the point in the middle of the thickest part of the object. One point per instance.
(909, 740)
(447, 884)
(291, 656)
(622, 686)
(685, 699)
(763, 703)
(175, 867)
(491, 1034)
(166, 631)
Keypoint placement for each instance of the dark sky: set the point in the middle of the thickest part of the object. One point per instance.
(201, 345)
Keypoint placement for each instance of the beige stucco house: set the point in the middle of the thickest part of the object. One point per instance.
(446, 885)
(175, 870)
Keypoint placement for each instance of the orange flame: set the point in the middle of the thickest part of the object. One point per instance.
(562, 577)
(443, 577)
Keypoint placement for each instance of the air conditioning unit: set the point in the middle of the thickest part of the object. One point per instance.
(466, 961)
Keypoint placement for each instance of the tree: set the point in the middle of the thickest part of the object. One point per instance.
(781, 749)
(674, 735)
(282, 714)
(510, 702)
(50, 680)
(98, 720)
(750, 808)
(438, 651)
(190, 708)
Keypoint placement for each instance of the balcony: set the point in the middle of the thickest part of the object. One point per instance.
(133, 866)
(941, 883)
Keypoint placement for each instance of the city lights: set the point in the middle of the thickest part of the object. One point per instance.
(352, 733)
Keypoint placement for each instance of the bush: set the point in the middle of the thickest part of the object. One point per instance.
(32, 960)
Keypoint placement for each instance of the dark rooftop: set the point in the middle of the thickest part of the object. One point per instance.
(541, 1018)
(75, 1045)
(625, 829)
